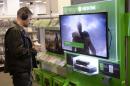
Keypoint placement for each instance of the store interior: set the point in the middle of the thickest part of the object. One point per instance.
(97, 56)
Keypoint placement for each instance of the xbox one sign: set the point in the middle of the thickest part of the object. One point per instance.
(86, 8)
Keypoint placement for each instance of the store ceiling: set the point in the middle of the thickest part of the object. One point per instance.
(1, 1)
(32, 0)
(26, 0)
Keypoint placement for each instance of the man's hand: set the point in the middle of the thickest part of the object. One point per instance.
(37, 46)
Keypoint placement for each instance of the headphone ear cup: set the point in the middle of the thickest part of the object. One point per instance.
(24, 17)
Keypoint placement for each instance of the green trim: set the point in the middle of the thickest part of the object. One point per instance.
(121, 33)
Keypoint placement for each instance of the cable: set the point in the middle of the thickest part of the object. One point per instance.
(110, 38)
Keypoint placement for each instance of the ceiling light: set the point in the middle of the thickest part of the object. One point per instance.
(27, 3)
(21, 2)
(44, 2)
(1, 3)
(38, 1)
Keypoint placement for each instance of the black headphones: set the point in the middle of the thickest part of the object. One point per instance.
(24, 16)
(24, 13)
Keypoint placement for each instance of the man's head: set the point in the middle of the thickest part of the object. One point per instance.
(79, 27)
(24, 16)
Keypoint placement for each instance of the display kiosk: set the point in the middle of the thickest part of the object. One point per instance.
(95, 40)
(104, 21)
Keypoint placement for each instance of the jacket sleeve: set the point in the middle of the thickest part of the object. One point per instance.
(16, 44)
(34, 61)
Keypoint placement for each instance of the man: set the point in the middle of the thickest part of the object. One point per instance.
(83, 37)
(19, 49)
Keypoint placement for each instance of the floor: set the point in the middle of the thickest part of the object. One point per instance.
(5, 80)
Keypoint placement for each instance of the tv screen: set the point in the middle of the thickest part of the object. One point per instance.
(53, 41)
(85, 33)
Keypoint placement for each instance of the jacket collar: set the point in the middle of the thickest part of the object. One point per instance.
(15, 24)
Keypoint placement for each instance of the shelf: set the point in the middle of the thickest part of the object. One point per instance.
(34, 32)
(47, 16)
(51, 59)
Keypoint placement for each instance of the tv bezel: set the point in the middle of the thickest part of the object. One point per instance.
(60, 42)
(107, 49)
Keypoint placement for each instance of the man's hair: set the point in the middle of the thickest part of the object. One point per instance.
(23, 13)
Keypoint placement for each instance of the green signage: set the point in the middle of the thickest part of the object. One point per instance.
(74, 44)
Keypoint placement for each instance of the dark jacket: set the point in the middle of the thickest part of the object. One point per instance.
(18, 50)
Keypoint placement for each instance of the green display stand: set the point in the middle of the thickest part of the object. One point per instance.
(70, 83)
(47, 78)
(117, 51)
(116, 24)
(127, 25)
(58, 81)
(128, 68)
(38, 76)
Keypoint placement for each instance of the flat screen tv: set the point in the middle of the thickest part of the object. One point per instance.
(53, 41)
(85, 33)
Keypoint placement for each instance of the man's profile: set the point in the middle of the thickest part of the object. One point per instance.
(19, 50)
